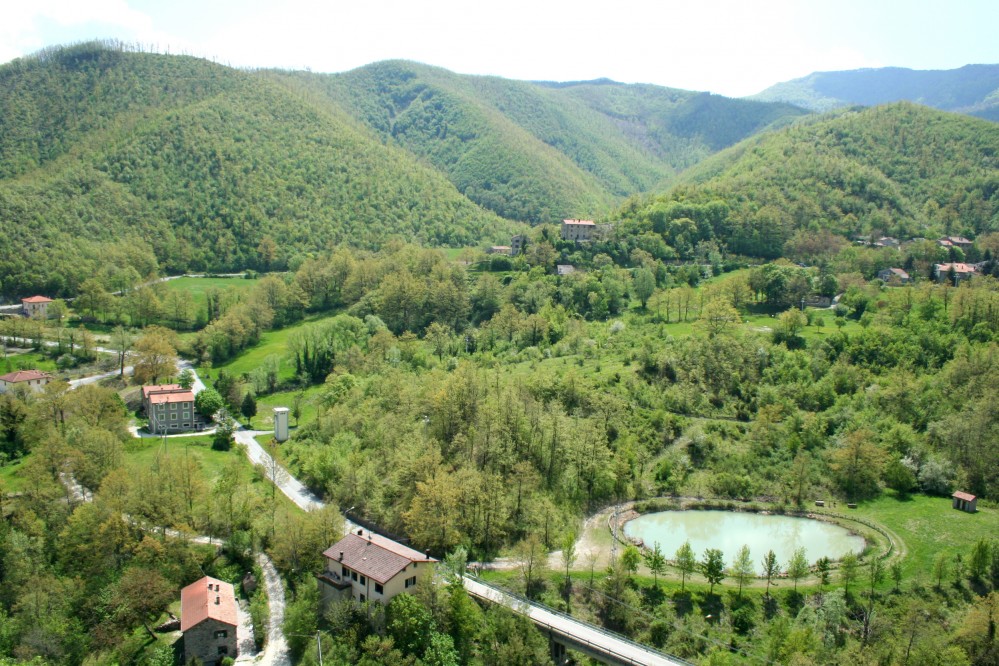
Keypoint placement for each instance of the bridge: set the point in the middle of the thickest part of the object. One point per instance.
(566, 632)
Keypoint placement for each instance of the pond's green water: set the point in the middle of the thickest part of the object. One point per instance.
(730, 530)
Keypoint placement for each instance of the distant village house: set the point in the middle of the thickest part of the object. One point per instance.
(369, 567)
(499, 249)
(578, 230)
(955, 241)
(961, 271)
(32, 380)
(564, 269)
(894, 275)
(964, 502)
(208, 620)
(170, 408)
(517, 244)
(36, 306)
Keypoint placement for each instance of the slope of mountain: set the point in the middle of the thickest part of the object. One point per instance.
(199, 163)
(902, 169)
(972, 90)
(538, 151)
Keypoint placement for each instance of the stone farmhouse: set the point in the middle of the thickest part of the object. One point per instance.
(369, 567)
(170, 408)
(578, 230)
(32, 380)
(208, 620)
(36, 306)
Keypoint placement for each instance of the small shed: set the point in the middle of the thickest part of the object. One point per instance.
(965, 502)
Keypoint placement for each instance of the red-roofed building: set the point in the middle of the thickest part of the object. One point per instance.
(964, 502)
(208, 620)
(169, 408)
(33, 380)
(961, 271)
(370, 567)
(36, 306)
(578, 230)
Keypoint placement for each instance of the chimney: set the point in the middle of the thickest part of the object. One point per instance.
(427, 553)
(360, 532)
(369, 536)
(341, 556)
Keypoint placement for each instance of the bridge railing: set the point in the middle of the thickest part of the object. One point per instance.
(597, 647)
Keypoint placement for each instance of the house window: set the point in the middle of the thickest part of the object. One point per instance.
(410, 582)
(379, 589)
(221, 633)
(344, 571)
(353, 575)
(223, 650)
(362, 597)
(364, 581)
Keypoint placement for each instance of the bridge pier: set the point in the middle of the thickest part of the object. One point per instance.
(556, 650)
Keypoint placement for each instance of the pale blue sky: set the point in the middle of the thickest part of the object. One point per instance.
(723, 46)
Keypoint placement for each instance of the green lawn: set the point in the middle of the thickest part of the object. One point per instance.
(266, 404)
(271, 342)
(928, 526)
(10, 479)
(142, 453)
(195, 288)
(29, 361)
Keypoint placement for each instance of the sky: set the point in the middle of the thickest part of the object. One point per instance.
(728, 47)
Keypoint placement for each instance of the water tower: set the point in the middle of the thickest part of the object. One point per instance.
(281, 424)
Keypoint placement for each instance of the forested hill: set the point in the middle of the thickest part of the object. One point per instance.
(541, 151)
(972, 89)
(191, 165)
(902, 170)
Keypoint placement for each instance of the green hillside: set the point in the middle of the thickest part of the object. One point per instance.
(198, 164)
(538, 151)
(972, 89)
(903, 170)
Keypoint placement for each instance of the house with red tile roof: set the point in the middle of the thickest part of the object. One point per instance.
(33, 380)
(962, 271)
(35, 306)
(208, 620)
(170, 408)
(964, 502)
(369, 567)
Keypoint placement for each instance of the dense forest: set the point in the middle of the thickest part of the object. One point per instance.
(900, 170)
(218, 169)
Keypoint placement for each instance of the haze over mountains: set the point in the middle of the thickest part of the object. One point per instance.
(190, 165)
(972, 89)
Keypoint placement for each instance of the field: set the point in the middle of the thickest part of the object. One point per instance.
(271, 343)
(29, 360)
(195, 287)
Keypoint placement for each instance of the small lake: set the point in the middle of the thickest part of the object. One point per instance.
(728, 531)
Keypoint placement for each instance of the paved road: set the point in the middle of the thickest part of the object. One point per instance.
(294, 489)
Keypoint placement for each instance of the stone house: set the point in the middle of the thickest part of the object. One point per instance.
(517, 244)
(170, 408)
(499, 249)
(369, 567)
(208, 620)
(893, 275)
(36, 306)
(578, 230)
(33, 380)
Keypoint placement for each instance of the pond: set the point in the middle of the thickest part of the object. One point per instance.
(728, 531)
